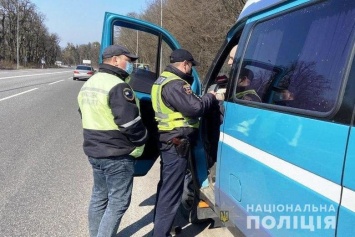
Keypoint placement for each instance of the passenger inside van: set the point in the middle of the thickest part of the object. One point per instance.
(244, 91)
(282, 96)
(221, 81)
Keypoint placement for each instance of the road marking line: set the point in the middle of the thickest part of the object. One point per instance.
(17, 94)
(55, 82)
(2, 78)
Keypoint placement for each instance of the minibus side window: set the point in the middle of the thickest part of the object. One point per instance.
(298, 59)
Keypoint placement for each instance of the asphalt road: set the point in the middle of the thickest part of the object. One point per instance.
(45, 178)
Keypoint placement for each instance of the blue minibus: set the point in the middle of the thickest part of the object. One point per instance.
(282, 164)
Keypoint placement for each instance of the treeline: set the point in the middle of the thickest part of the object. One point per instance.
(200, 26)
(34, 41)
(21, 22)
(74, 54)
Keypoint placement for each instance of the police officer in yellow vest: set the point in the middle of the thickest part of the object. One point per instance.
(243, 90)
(177, 111)
(113, 135)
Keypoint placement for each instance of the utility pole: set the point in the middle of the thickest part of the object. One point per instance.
(161, 25)
(17, 35)
(161, 13)
(137, 53)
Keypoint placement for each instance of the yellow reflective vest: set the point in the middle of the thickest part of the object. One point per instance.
(167, 118)
(241, 95)
(93, 102)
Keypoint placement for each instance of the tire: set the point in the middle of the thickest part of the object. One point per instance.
(189, 200)
(74, 78)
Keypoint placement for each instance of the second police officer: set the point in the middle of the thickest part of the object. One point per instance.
(177, 111)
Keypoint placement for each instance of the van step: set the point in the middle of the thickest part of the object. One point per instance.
(207, 210)
(205, 213)
(207, 195)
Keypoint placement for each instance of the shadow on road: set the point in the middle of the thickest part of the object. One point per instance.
(149, 201)
(136, 226)
(187, 229)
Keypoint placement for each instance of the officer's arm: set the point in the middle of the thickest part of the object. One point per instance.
(179, 95)
(126, 114)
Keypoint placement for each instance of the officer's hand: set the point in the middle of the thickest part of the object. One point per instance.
(212, 92)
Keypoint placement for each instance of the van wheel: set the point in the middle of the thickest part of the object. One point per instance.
(189, 200)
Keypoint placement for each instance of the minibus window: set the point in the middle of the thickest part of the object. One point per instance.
(298, 59)
(146, 46)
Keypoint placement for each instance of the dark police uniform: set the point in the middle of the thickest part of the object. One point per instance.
(177, 110)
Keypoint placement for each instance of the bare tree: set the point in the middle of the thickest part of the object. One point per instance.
(200, 26)
(35, 42)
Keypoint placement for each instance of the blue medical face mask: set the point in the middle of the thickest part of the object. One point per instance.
(129, 68)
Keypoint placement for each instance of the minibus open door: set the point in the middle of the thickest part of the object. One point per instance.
(153, 45)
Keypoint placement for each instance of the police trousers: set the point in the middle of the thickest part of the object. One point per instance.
(169, 190)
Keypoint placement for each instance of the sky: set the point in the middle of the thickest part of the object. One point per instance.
(81, 21)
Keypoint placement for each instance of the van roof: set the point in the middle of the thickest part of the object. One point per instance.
(252, 6)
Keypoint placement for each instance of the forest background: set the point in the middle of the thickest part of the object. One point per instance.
(200, 26)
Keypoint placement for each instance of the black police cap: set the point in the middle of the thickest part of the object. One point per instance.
(117, 50)
(180, 55)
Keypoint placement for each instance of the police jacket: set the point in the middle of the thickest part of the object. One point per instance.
(110, 116)
(178, 96)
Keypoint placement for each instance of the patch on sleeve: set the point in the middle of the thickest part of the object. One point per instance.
(187, 89)
(128, 94)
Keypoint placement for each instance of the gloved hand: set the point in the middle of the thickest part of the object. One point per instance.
(220, 94)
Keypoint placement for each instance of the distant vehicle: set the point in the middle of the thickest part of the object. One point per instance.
(83, 72)
(144, 66)
(58, 63)
(86, 62)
